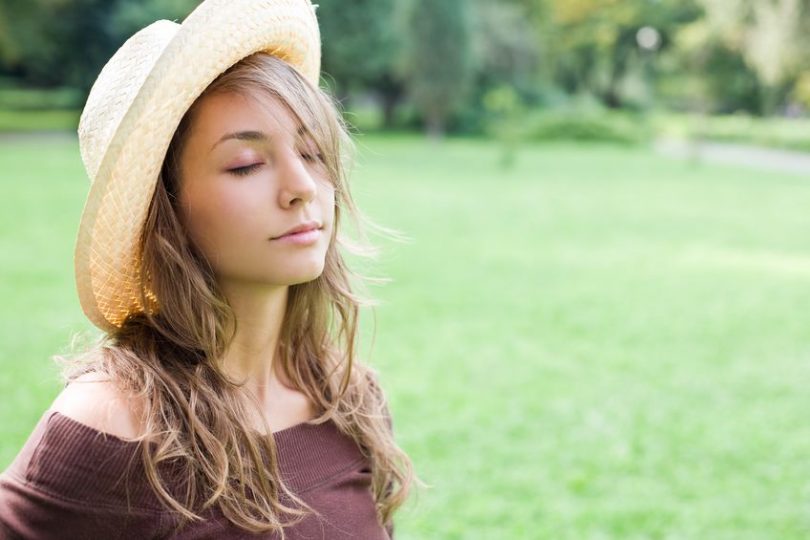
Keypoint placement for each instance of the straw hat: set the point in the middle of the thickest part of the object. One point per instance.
(132, 112)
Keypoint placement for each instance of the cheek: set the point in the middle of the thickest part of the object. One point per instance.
(215, 216)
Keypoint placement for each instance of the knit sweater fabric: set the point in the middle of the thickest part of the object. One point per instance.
(70, 480)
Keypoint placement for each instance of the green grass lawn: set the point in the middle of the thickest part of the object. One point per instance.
(598, 344)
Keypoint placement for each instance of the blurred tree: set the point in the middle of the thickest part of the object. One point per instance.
(18, 32)
(505, 48)
(504, 57)
(769, 34)
(77, 41)
(591, 46)
(66, 42)
(707, 74)
(504, 107)
(8, 47)
(438, 59)
(447, 56)
(56, 42)
(773, 46)
(129, 16)
(360, 48)
(537, 15)
(801, 90)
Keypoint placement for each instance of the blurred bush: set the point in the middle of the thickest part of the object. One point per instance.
(588, 126)
(584, 118)
(25, 99)
(38, 120)
(25, 109)
(504, 109)
(801, 91)
(741, 128)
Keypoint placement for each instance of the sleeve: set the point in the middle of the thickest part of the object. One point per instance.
(66, 482)
(27, 513)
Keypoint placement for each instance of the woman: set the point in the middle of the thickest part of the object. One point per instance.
(225, 395)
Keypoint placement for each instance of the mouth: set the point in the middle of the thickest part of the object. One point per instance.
(302, 235)
(300, 229)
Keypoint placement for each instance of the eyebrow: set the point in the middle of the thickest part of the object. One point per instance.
(252, 136)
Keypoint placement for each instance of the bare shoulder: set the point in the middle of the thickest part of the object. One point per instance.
(95, 401)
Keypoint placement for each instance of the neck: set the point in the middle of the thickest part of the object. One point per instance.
(250, 356)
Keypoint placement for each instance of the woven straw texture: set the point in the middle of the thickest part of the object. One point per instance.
(131, 114)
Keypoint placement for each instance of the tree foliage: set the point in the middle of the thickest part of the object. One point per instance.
(358, 44)
(443, 58)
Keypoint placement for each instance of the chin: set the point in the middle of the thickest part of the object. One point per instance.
(305, 278)
(304, 275)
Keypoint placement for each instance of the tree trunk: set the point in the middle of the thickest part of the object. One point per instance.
(389, 105)
(390, 92)
(434, 124)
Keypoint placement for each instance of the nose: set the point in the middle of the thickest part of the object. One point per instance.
(296, 184)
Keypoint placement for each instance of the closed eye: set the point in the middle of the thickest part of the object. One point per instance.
(244, 171)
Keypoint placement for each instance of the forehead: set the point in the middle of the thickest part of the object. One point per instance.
(223, 113)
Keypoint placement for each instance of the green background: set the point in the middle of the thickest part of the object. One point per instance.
(598, 343)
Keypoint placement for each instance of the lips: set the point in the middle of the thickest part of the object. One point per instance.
(303, 227)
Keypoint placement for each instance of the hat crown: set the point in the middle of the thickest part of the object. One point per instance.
(115, 90)
(215, 27)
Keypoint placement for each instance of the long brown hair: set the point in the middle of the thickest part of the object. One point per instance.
(167, 357)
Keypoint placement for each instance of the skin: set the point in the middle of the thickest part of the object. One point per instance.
(232, 218)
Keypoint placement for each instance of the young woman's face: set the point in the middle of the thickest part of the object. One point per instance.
(246, 179)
